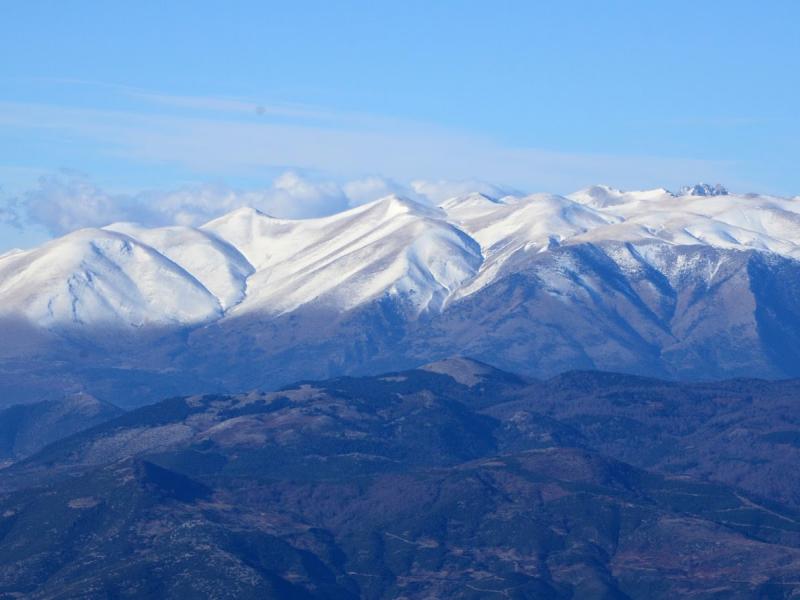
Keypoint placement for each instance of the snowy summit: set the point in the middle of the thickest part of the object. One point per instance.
(247, 261)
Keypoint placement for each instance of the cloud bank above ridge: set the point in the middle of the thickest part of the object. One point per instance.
(64, 202)
(156, 141)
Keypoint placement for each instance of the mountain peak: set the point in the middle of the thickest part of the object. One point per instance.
(472, 198)
(396, 205)
(244, 212)
(475, 269)
(704, 189)
(470, 206)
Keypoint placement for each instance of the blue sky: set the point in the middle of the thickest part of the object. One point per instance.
(137, 98)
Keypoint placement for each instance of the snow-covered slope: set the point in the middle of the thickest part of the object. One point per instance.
(218, 266)
(519, 225)
(652, 221)
(722, 221)
(699, 283)
(392, 246)
(100, 277)
(430, 260)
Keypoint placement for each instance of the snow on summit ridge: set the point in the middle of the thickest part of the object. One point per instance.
(420, 255)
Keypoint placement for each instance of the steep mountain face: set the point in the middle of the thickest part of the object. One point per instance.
(697, 312)
(702, 285)
(219, 267)
(96, 278)
(391, 247)
(455, 480)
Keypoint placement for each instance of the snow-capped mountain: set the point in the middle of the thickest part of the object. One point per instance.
(102, 277)
(701, 283)
(391, 246)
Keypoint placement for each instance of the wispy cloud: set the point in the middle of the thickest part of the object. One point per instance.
(63, 202)
(218, 137)
(357, 158)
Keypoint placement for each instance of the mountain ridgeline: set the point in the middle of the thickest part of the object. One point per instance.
(455, 480)
(698, 285)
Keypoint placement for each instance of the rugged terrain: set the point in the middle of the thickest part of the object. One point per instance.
(699, 284)
(453, 480)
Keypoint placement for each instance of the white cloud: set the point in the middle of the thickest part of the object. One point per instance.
(64, 202)
(368, 188)
(296, 197)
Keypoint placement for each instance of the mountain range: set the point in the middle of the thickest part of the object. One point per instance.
(453, 480)
(701, 284)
